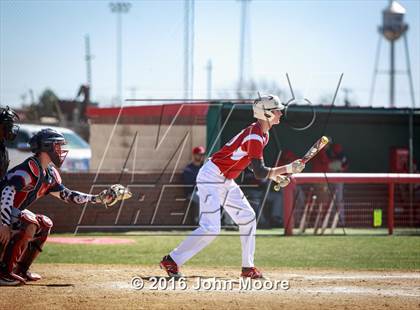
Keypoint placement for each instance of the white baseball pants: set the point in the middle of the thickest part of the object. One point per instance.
(215, 191)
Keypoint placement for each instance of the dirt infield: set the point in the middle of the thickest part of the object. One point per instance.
(109, 286)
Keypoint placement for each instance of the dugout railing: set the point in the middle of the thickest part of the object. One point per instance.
(321, 203)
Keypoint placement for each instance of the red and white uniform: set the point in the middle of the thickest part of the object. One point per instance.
(217, 187)
(236, 155)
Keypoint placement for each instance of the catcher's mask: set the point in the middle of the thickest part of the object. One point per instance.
(51, 142)
(9, 129)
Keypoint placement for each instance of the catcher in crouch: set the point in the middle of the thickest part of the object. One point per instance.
(216, 187)
(23, 233)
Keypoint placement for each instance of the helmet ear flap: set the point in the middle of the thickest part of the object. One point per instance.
(35, 144)
(32, 143)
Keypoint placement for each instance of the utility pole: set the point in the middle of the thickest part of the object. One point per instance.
(188, 48)
(88, 58)
(346, 92)
(209, 69)
(243, 36)
(133, 91)
(119, 8)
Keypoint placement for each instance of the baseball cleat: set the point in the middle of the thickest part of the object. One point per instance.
(10, 279)
(251, 272)
(29, 276)
(170, 267)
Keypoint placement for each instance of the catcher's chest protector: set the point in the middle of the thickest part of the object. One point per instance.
(4, 160)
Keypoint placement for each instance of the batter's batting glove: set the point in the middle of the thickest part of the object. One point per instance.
(282, 181)
(113, 194)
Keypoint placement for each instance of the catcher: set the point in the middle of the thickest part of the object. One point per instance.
(23, 233)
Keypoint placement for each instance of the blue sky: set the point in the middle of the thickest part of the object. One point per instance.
(42, 45)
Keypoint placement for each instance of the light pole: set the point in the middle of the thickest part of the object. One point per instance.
(88, 59)
(189, 13)
(244, 46)
(119, 8)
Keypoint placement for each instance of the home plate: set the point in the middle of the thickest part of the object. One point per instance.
(85, 240)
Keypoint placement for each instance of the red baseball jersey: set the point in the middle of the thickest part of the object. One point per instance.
(236, 155)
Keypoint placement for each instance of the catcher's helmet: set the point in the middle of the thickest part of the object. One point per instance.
(8, 117)
(50, 141)
(264, 105)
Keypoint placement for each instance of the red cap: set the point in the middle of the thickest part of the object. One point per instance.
(199, 150)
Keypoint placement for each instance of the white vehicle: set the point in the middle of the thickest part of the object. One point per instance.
(78, 157)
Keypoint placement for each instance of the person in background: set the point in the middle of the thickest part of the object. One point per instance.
(320, 163)
(8, 132)
(338, 161)
(189, 176)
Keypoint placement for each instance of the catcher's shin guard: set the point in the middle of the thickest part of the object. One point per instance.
(33, 249)
(17, 245)
(28, 225)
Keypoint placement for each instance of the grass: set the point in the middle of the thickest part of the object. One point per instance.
(341, 252)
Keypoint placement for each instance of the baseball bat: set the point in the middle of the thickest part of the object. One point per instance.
(306, 213)
(311, 153)
(318, 217)
(328, 215)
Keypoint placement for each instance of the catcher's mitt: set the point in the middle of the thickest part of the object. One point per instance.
(113, 194)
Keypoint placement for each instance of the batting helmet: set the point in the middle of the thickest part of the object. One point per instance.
(264, 105)
(8, 117)
(50, 141)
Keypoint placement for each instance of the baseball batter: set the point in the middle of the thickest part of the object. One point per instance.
(216, 188)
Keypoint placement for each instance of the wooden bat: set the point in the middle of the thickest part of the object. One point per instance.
(311, 153)
(306, 213)
(318, 217)
(335, 222)
(328, 215)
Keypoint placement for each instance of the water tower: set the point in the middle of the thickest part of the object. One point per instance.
(393, 28)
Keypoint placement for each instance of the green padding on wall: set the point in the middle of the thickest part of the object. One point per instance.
(214, 120)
